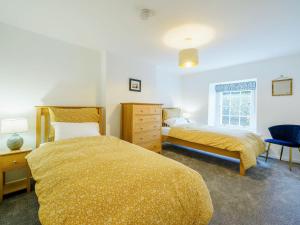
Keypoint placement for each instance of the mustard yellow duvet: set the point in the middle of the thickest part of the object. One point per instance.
(247, 143)
(103, 180)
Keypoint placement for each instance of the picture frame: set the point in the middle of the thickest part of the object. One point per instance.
(282, 87)
(135, 85)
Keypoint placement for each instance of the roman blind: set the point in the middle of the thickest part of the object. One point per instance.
(239, 86)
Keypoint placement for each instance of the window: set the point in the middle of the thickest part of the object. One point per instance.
(233, 105)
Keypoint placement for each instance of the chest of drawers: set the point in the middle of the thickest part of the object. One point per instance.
(141, 125)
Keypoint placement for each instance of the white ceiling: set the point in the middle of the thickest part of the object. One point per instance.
(246, 30)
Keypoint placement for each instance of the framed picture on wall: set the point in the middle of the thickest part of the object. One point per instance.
(135, 85)
(282, 87)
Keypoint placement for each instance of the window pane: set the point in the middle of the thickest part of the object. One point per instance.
(245, 103)
(226, 99)
(234, 120)
(245, 98)
(245, 122)
(225, 111)
(245, 109)
(225, 120)
(246, 92)
(235, 103)
(236, 108)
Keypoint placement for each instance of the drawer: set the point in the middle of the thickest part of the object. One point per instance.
(146, 110)
(152, 145)
(147, 136)
(146, 119)
(140, 127)
(13, 161)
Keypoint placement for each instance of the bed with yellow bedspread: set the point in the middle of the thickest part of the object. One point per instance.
(248, 144)
(104, 180)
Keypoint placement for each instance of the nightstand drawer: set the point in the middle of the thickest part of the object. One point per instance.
(13, 161)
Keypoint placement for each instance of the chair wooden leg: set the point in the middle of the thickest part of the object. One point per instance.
(291, 158)
(267, 156)
(281, 152)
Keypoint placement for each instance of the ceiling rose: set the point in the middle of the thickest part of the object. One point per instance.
(189, 36)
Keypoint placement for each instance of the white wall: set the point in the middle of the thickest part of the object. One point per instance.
(119, 70)
(158, 86)
(36, 70)
(169, 88)
(270, 110)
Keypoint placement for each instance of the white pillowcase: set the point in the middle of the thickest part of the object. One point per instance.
(176, 121)
(72, 130)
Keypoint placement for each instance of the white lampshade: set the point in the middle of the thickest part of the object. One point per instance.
(9, 126)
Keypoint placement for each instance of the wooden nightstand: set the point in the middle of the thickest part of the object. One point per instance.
(12, 160)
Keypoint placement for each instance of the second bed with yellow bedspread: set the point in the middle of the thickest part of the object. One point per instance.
(104, 180)
(248, 144)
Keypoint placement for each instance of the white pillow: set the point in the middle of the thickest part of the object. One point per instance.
(176, 121)
(72, 130)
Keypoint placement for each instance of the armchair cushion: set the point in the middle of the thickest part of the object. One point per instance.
(284, 143)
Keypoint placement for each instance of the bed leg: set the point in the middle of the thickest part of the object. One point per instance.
(242, 169)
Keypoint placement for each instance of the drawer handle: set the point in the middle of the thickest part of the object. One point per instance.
(141, 119)
(141, 138)
(142, 128)
(14, 161)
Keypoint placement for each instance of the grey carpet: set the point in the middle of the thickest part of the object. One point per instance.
(268, 195)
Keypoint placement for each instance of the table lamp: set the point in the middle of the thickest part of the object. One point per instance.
(14, 127)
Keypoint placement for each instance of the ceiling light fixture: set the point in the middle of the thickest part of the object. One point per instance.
(188, 58)
(188, 38)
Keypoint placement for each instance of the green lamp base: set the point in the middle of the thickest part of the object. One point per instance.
(15, 142)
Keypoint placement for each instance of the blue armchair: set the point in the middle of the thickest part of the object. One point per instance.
(284, 135)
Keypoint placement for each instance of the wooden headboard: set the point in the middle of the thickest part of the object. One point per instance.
(163, 114)
(43, 112)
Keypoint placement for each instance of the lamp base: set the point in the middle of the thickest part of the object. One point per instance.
(15, 142)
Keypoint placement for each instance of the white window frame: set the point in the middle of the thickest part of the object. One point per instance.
(215, 107)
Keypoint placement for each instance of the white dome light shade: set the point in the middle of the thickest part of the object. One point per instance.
(188, 36)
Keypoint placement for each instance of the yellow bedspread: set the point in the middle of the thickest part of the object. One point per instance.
(104, 180)
(247, 143)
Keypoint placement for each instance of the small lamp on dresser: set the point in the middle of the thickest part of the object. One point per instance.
(14, 127)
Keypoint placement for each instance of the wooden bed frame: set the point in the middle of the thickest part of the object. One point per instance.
(205, 148)
(43, 112)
